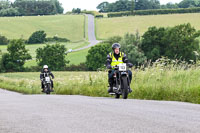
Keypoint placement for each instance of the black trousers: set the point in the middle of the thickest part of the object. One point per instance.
(111, 78)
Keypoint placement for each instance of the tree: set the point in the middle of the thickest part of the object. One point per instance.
(182, 42)
(53, 56)
(38, 7)
(189, 3)
(102, 6)
(179, 42)
(152, 43)
(76, 10)
(130, 45)
(3, 40)
(37, 37)
(15, 58)
(96, 57)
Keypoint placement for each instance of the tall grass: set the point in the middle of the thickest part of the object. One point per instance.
(164, 80)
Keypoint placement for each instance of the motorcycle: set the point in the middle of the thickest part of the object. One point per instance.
(121, 84)
(47, 85)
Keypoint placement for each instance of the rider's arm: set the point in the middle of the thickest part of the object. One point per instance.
(108, 62)
(52, 75)
(41, 76)
(125, 60)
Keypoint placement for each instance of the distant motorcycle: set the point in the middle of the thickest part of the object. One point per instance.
(121, 84)
(47, 85)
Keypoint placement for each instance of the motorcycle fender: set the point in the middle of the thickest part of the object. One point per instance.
(123, 73)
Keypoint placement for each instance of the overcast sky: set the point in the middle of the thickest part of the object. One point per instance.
(92, 4)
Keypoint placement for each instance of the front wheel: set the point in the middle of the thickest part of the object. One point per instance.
(48, 91)
(117, 96)
(125, 88)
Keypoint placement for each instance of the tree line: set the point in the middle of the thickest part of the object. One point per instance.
(128, 5)
(30, 7)
(178, 43)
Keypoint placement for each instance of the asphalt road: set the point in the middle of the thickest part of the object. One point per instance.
(91, 33)
(80, 114)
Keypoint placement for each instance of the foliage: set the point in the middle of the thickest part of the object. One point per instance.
(53, 56)
(130, 45)
(37, 37)
(76, 10)
(179, 42)
(15, 58)
(56, 39)
(98, 52)
(127, 5)
(33, 7)
(3, 40)
(154, 12)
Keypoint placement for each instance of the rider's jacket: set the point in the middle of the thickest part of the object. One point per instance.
(44, 74)
(114, 59)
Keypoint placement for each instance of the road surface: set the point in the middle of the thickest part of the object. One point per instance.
(91, 33)
(80, 114)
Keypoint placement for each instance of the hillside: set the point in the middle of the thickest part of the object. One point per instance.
(108, 27)
(67, 26)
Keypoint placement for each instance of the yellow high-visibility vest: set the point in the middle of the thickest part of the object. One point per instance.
(115, 61)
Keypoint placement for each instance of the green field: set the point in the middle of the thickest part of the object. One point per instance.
(108, 27)
(67, 26)
(75, 58)
(173, 83)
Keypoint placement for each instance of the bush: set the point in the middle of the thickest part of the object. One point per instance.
(98, 52)
(37, 37)
(179, 42)
(15, 58)
(130, 45)
(76, 10)
(57, 39)
(9, 12)
(99, 16)
(80, 67)
(155, 12)
(53, 56)
(3, 40)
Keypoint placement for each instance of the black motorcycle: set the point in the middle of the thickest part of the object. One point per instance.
(121, 84)
(47, 85)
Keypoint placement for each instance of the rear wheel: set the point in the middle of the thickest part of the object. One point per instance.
(125, 88)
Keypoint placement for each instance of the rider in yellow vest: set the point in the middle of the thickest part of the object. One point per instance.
(115, 58)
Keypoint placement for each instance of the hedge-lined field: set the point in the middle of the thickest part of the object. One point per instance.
(65, 26)
(109, 27)
(173, 83)
(155, 12)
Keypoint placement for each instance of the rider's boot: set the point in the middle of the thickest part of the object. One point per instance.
(110, 90)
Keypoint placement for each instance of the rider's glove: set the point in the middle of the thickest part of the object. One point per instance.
(130, 65)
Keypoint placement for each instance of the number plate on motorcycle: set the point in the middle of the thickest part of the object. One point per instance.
(47, 79)
(122, 67)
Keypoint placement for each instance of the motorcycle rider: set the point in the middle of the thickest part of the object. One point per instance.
(115, 58)
(45, 73)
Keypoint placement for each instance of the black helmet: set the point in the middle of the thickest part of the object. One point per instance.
(116, 45)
